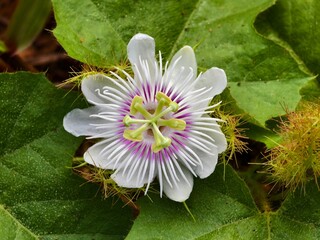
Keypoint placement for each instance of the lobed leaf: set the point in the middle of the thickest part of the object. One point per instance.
(225, 210)
(294, 26)
(222, 32)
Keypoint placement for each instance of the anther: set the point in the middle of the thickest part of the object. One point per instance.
(174, 106)
(161, 96)
(135, 135)
(160, 140)
(163, 100)
(127, 121)
(177, 124)
(137, 106)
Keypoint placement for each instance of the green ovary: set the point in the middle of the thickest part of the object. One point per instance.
(153, 121)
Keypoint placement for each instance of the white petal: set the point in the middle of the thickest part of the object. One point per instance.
(78, 122)
(95, 157)
(142, 47)
(214, 78)
(110, 153)
(183, 59)
(217, 138)
(93, 84)
(136, 181)
(122, 181)
(209, 162)
(220, 139)
(182, 190)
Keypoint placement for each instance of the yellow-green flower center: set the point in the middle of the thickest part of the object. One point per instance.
(153, 121)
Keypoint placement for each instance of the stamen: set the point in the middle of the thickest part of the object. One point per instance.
(153, 121)
(163, 100)
(177, 124)
(173, 107)
(135, 135)
(160, 140)
(136, 106)
(127, 121)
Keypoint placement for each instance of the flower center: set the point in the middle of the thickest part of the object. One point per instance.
(153, 121)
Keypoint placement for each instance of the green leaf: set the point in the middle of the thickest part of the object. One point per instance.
(97, 31)
(295, 23)
(225, 210)
(298, 34)
(3, 47)
(222, 31)
(216, 205)
(271, 102)
(228, 40)
(37, 185)
(260, 134)
(299, 216)
(10, 228)
(27, 21)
